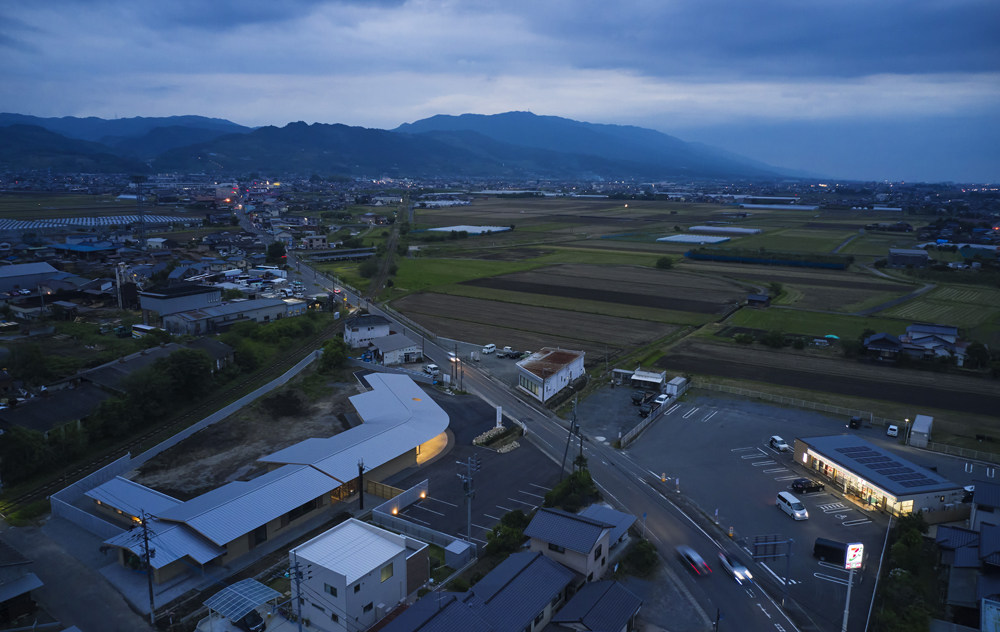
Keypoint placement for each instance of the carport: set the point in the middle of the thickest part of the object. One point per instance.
(649, 380)
(234, 602)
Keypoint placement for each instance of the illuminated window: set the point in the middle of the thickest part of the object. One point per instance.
(386, 571)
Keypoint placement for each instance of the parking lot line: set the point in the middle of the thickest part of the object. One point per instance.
(438, 513)
(690, 412)
(504, 508)
(760, 463)
(834, 507)
(754, 456)
(785, 478)
(775, 469)
(479, 526)
(672, 409)
(521, 491)
(749, 447)
(493, 517)
(709, 416)
(854, 523)
(438, 500)
(522, 502)
(540, 486)
(830, 578)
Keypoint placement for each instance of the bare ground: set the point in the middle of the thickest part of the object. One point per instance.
(228, 450)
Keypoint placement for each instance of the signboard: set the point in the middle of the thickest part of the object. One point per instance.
(855, 555)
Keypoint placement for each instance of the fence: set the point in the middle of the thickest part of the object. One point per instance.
(630, 436)
(385, 516)
(943, 448)
(381, 490)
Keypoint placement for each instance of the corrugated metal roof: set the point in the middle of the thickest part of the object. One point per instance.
(620, 521)
(520, 587)
(237, 508)
(23, 269)
(576, 533)
(398, 416)
(131, 497)
(393, 342)
(171, 541)
(601, 605)
(14, 588)
(352, 549)
(547, 361)
(986, 493)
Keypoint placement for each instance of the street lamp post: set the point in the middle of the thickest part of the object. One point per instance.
(906, 432)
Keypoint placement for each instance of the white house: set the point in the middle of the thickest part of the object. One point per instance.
(359, 331)
(351, 576)
(397, 349)
(546, 372)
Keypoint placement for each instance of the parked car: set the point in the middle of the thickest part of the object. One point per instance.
(645, 410)
(251, 622)
(661, 399)
(892, 430)
(490, 348)
(779, 444)
(805, 486)
(854, 422)
(432, 370)
(733, 566)
(690, 558)
(791, 506)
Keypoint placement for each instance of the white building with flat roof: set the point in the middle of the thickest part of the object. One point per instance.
(352, 575)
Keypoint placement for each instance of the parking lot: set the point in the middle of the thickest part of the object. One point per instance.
(515, 480)
(717, 453)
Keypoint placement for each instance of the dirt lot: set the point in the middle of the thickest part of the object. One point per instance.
(228, 450)
(526, 327)
(642, 287)
(845, 377)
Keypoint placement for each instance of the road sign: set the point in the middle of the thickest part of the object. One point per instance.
(855, 555)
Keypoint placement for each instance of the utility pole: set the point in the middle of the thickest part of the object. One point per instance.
(472, 464)
(297, 578)
(149, 567)
(361, 484)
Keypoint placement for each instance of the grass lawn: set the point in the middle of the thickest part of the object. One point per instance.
(793, 321)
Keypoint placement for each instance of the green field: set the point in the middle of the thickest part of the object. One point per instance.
(794, 240)
(792, 321)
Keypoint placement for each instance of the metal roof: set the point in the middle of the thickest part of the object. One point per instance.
(986, 493)
(512, 594)
(393, 342)
(131, 497)
(547, 361)
(171, 541)
(601, 605)
(14, 588)
(602, 513)
(24, 269)
(237, 508)
(58, 407)
(398, 416)
(439, 612)
(352, 549)
(884, 469)
(235, 601)
(571, 531)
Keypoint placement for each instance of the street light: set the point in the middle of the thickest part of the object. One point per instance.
(906, 432)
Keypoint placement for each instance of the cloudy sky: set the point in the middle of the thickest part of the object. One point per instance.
(865, 89)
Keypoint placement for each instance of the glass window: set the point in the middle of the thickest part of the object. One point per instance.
(387, 571)
(556, 548)
(357, 587)
(330, 590)
(368, 607)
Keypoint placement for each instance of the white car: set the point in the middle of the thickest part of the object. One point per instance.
(779, 444)
(732, 566)
(661, 399)
(892, 430)
(452, 356)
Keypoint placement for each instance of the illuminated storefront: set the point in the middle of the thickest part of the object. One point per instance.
(878, 479)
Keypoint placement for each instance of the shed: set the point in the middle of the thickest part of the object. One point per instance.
(758, 300)
(677, 386)
(920, 432)
(649, 379)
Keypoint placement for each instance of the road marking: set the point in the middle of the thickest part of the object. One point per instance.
(506, 509)
(791, 582)
(521, 491)
(418, 520)
(766, 613)
(830, 578)
(522, 502)
(540, 486)
(755, 456)
(752, 447)
(426, 509)
(854, 523)
(775, 469)
(672, 409)
(785, 478)
(690, 412)
(834, 507)
(479, 526)
(493, 517)
(760, 463)
(438, 500)
(709, 416)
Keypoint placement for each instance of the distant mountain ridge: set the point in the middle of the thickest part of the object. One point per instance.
(514, 145)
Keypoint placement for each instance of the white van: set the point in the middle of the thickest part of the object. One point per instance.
(432, 370)
(791, 506)
(490, 348)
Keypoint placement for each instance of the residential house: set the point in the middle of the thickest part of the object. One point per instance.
(548, 371)
(159, 302)
(577, 542)
(908, 258)
(929, 341)
(520, 595)
(603, 606)
(353, 575)
(883, 346)
(221, 317)
(396, 349)
(16, 583)
(313, 242)
(359, 331)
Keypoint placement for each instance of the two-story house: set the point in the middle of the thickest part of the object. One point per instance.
(577, 542)
(359, 331)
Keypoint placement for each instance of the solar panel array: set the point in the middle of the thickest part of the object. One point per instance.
(886, 466)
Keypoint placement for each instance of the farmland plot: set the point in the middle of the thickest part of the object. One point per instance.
(960, 306)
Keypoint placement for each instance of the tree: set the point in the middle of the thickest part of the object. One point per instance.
(190, 373)
(664, 263)
(335, 352)
(774, 339)
(23, 453)
(276, 252)
(977, 356)
(776, 289)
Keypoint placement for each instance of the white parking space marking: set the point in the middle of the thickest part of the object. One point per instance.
(522, 502)
(521, 491)
(444, 502)
(752, 447)
(834, 507)
(672, 409)
(492, 517)
(759, 455)
(709, 416)
(776, 469)
(479, 526)
(540, 486)
(422, 508)
(854, 523)
(776, 577)
(760, 463)
(785, 478)
(691, 412)
(505, 509)
(830, 578)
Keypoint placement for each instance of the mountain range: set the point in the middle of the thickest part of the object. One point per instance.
(513, 145)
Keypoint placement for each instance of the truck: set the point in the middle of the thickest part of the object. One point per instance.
(640, 397)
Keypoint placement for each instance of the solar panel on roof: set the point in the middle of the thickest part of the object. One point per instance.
(907, 477)
(852, 449)
(872, 459)
(895, 470)
(920, 482)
